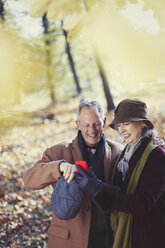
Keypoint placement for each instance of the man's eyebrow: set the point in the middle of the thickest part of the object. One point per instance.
(87, 123)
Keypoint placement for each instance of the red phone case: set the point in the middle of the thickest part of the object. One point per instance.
(83, 165)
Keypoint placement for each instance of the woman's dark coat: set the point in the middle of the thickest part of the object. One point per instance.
(148, 202)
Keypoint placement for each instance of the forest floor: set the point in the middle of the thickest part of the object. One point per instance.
(25, 215)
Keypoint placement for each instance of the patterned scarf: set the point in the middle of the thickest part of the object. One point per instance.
(123, 164)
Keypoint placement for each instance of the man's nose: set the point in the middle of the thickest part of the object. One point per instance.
(92, 128)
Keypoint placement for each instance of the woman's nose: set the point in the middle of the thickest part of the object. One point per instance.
(121, 128)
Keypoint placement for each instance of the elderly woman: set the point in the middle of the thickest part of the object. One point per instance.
(136, 197)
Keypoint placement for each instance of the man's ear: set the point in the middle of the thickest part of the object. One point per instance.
(104, 122)
(77, 124)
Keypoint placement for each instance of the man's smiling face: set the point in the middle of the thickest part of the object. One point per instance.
(91, 126)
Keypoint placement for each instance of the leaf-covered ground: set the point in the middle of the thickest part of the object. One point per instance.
(25, 215)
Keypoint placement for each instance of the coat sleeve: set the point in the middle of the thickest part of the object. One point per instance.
(46, 170)
(107, 197)
(150, 189)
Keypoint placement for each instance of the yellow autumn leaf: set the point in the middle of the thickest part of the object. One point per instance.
(72, 20)
(42, 236)
(134, 1)
(78, 28)
(56, 10)
(37, 7)
(89, 4)
(8, 175)
(46, 200)
(158, 8)
(120, 3)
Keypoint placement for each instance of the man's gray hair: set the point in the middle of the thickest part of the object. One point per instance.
(92, 105)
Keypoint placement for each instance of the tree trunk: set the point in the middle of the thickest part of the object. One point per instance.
(48, 58)
(2, 10)
(72, 64)
(107, 92)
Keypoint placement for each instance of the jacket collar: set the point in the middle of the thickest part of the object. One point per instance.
(77, 156)
(107, 162)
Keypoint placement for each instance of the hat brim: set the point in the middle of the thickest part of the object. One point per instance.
(129, 119)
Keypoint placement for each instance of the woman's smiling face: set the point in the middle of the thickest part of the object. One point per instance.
(130, 131)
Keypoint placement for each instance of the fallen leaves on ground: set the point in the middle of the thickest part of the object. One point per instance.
(25, 215)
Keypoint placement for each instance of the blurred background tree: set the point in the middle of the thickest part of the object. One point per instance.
(55, 51)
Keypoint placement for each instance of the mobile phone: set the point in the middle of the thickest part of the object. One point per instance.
(83, 165)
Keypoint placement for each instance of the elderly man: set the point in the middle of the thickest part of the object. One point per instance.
(89, 228)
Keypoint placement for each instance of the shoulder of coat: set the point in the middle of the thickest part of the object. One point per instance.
(115, 145)
(61, 145)
(67, 144)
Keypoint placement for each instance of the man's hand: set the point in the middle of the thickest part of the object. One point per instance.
(89, 184)
(68, 171)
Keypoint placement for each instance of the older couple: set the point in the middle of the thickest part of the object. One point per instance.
(131, 185)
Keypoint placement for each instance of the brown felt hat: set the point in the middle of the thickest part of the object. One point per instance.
(130, 110)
